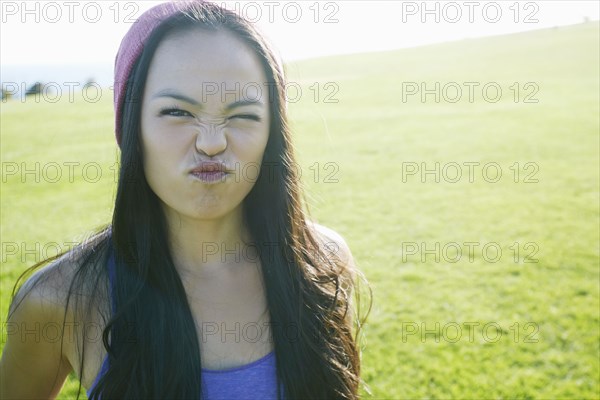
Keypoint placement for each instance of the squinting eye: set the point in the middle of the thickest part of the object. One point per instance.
(175, 112)
(251, 117)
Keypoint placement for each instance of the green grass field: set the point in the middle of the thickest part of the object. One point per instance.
(522, 323)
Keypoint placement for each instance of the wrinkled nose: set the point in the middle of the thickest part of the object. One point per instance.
(211, 139)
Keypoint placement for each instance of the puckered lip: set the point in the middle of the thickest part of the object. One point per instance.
(209, 166)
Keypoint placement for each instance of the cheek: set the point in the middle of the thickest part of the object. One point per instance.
(161, 142)
(248, 147)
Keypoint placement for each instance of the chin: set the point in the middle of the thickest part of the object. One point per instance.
(210, 209)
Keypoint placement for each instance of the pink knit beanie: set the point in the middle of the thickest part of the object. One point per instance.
(132, 46)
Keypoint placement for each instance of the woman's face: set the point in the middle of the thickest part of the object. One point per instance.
(206, 99)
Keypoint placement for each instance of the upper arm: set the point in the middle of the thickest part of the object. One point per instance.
(33, 364)
(334, 244)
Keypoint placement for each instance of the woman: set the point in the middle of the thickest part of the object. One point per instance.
(210, 268)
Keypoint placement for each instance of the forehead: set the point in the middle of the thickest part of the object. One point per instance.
(196, 58)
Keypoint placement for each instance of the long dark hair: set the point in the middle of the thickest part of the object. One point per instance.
(150, 335)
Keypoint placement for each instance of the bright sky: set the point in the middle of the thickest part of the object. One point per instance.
(66, 32)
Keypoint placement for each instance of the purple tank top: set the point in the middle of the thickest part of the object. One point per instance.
(256, 380)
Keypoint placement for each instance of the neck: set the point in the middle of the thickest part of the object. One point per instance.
(207, 245)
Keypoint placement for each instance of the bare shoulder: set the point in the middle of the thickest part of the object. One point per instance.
(336, 244)
(56, 296)
(48, 286)
(53, 284)
(44, 296)
(34, 362)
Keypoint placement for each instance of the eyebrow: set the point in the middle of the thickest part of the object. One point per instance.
(176, 95)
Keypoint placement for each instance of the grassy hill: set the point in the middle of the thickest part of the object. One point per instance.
(485, 285)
